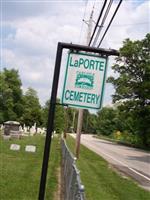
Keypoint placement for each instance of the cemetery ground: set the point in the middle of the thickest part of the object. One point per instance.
(20, 171)
(101, 181)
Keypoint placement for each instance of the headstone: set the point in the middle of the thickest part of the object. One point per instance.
(15, 147)
(15, 134)
(38, 130)
(11, 126)
(20, 128)
(34, 125)
(6, 137)
(25, 129)
(33, 129)
(42, 131)
(30, 148)
(1, 127)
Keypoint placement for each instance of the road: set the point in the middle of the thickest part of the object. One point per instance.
(130, 161)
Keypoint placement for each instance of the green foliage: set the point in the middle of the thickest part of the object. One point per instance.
(132, 85)
(45, 109)
(133, 67)
(11, 95)
(107, 121)
(89, 122)
(71, 119)
(32, 110)
(26, 108)
(60, 117)
(126, 138)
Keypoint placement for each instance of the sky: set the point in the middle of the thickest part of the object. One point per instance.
(30, 31)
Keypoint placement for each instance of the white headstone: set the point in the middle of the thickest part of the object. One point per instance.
(38, 130)
(25, 129)
(34, 125)
(15, 147)
(32, 130)
(30, 148)
(43, 131)
(2, 127)
(20, 128)
(6, 137)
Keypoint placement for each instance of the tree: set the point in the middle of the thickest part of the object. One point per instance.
(107, 121)
(89, 122)
(32, 110)
(71, 119)
(132, 84)
(60, 117)
(11, 95)
(45, 109)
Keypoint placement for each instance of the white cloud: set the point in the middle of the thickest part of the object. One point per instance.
(37, 27)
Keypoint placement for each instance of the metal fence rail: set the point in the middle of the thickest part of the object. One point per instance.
(73, 189)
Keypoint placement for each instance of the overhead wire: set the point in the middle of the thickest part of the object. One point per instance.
(134, 24)
(109, 23)
(82, 20)
(102, 23)
(96, 25)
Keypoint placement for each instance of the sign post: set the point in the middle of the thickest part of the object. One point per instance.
(51, 113)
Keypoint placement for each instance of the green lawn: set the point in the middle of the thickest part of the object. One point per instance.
(20, 171)
(101, 182)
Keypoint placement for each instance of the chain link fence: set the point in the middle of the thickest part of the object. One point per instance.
(73, 189)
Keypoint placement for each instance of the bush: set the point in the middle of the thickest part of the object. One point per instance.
(127, 137)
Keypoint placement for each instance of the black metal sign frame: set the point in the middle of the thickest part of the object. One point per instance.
(51, 114)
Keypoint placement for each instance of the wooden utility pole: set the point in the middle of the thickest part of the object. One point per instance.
(81, 111)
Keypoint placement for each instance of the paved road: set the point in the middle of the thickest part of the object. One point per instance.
(131, 161)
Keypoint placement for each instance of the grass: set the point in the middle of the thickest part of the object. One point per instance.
(122, 142)
(20, 171)
(101, 182)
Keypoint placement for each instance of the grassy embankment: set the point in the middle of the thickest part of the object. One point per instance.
(103, 183)
(20, 171)
(122, 141)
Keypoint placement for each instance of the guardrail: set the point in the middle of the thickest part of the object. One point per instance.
(73, 189)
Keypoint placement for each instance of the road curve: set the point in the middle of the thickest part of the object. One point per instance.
(131, 161)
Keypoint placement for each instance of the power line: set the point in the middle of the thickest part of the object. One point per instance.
(83, 19)
(109, 23)
(134, 24)
(103, 21)
(100, 15)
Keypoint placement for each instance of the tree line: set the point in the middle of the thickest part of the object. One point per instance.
(128, 119)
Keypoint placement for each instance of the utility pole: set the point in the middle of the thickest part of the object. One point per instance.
(73, 123)
(81, 111)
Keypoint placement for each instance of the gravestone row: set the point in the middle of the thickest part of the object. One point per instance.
(28, 148)
(13, 129)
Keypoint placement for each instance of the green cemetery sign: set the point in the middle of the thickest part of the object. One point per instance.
(84, 80)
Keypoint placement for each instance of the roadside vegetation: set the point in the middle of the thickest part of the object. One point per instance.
(128, 120)
(101, 181)
(20, 171)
